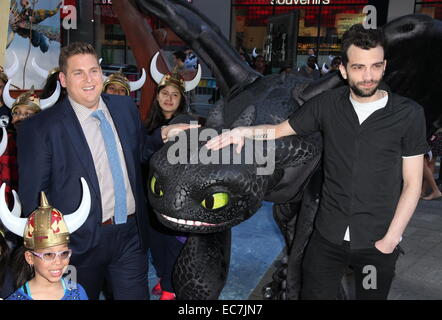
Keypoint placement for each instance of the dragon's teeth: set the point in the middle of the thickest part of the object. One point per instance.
(170, 218)
(207, 224)
(187, 222)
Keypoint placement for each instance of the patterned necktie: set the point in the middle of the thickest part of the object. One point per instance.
(120, 210)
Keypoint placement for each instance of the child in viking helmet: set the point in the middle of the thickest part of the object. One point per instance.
(28, 103)
(118, 84)
(45, 257)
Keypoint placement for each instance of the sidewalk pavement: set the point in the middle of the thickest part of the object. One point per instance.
(419, 271)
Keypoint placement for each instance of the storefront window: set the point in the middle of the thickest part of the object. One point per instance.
(433, 8)
(111, 45)
(109, 36)
(284, 33)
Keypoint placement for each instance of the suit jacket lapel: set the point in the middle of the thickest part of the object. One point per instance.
(80, 145)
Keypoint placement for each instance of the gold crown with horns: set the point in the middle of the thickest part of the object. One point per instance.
(173, 78)
(46, 227)
(28, 98)
(117, 78)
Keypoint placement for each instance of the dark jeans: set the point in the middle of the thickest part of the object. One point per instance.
(119, 259)
(325, 264)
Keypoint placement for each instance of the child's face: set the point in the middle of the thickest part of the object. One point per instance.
(45, 265)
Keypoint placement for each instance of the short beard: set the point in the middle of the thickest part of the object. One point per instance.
(363, 94)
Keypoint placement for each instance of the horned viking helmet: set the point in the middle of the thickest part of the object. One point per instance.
(173, 78)
(30, 99)
(120, 79)
(45, 227)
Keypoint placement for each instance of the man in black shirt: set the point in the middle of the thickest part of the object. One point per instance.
(374, 141)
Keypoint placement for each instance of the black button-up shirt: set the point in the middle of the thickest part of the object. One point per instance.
(362, 162)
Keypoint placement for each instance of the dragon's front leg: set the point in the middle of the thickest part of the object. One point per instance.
(201, 269)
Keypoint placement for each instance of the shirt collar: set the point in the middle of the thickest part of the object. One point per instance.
(382, 86)
(83, 112)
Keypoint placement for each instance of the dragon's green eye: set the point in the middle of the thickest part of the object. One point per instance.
(155, 188)
(215, 201)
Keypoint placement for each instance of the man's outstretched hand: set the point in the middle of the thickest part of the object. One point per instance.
(226, 138)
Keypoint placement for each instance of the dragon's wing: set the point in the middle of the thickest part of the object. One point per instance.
(205, 39)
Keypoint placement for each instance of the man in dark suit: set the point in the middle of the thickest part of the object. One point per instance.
(101, 138)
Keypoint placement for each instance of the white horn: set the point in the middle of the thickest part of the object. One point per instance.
(49, 102)
(76, 219)
(325, 68)
(12, 223)
(190, 85)
(254, 53)
(4, 142)
(102, 75)
(16, 211)
(7, 99)
(41, 72)
(156, 75)
(14, 68)
(135, 85)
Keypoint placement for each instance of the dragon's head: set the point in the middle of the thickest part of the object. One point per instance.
(198, 190)
(192, 190)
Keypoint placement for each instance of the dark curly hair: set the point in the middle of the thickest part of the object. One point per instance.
(362, 38)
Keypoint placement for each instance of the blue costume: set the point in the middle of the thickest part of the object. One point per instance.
(72, 291)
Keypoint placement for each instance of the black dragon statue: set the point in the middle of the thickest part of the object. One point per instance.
(207, 198)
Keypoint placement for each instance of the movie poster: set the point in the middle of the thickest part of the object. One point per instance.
(33, 33)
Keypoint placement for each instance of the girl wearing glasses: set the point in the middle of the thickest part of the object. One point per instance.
(44, 258)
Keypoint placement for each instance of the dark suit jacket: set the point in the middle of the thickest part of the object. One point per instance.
(53, 154)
